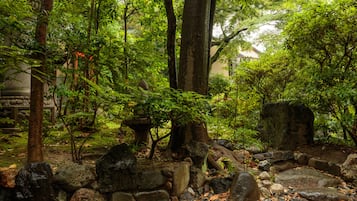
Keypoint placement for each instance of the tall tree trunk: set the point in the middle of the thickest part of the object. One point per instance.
(193, 69)
(171, 44)
(211, 23)
(125, 48)
(95, 72)
(35, 144)
(353, 133)
(171, 50)
(85, 123)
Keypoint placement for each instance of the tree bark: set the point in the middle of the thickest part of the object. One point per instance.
(211, 23)
(353, 133)
(171, 44)
(193, 69)
(125, 52)
(35, 144)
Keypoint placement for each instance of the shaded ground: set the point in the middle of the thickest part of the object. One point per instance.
(59, 154)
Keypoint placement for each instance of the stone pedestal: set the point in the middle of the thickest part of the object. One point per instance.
(286, 126)
(15, 97)
(141, 126)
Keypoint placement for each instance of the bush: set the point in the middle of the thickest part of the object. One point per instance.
(218, 84)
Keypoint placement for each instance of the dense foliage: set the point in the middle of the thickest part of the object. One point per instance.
(314, 63)
(100, 51)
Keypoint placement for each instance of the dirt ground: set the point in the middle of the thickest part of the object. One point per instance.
(59, 155)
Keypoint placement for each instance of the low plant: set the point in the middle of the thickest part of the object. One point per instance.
(169, 105)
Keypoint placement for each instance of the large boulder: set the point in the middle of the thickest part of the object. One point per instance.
(220, 185)
(34, 183)
(73, 176)
(349, 168)
(118, 170)
(244, 188)
(285, 126)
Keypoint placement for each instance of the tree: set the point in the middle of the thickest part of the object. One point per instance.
(35, 143)
(171, 43)
(322, 36)
(193, 69)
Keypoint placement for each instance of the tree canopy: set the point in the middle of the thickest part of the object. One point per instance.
(104, 59)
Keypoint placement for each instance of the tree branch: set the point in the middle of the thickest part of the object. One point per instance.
(223, 43)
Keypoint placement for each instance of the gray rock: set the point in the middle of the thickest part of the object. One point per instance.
(275, 156)
(197, 178)
(349, 168)
(325, 194)
(181, 177)
(159, 195)
(148, 178)
(285, 125)
(263, 156)
(264, 175)
(220, 185)
(264, 165)
(34, 183)
(225, 143)
(122, 196)
(116, 169)
(326, 166)
(301, 158)
(266, 183)
(265, 192)
(244, 188)
(118, 157)
(187, 195)
(277, 189)
(198, 152)
(85, 194)
(73, 176)
(304, 177)
(282, 166)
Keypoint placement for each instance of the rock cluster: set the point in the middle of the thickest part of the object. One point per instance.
(267, 176)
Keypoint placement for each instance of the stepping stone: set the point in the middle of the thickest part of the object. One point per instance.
(305, 177)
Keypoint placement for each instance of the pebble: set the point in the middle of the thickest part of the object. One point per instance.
(264, 165)
(276, 189)
(265, 192)
(191, 191)
(266, 183)
(264, 175)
